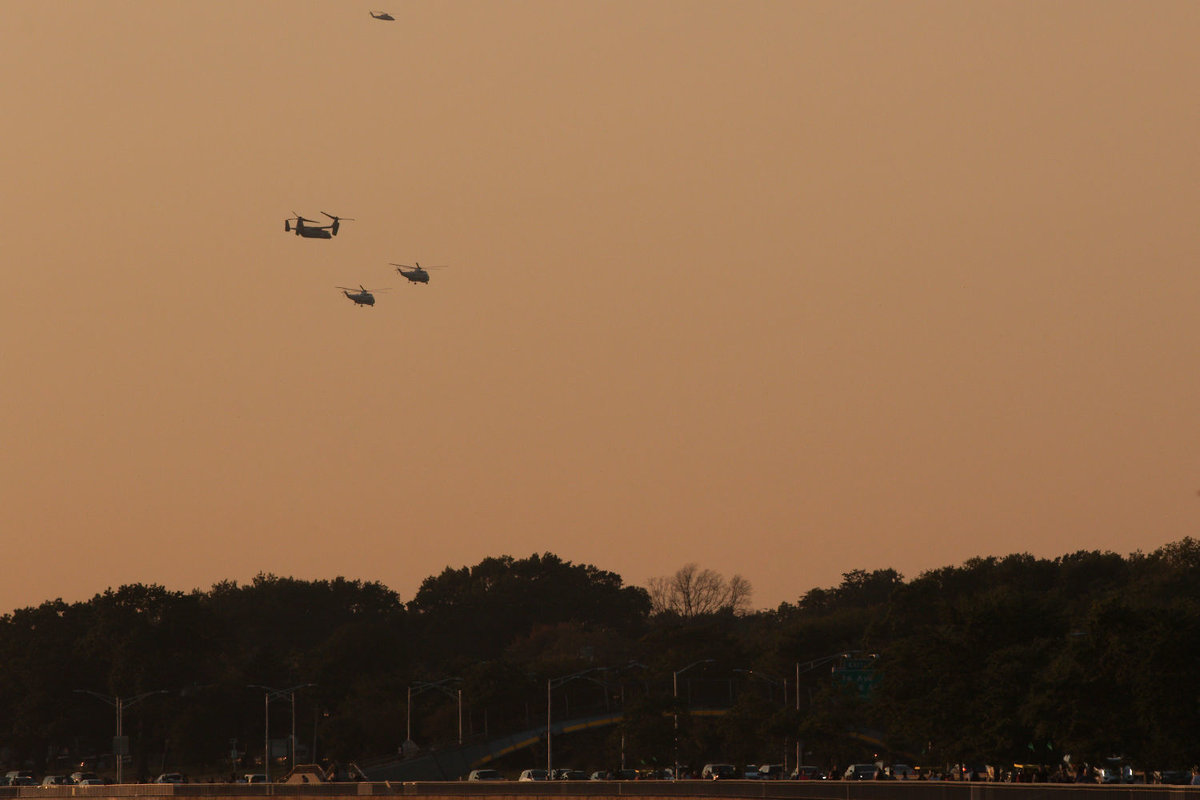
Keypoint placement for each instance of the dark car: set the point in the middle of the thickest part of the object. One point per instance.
(1176, 777)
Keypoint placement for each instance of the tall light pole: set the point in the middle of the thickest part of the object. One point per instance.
(551, 684)
(773, 681)
(120, 745)
(424, 686)
(808, 666)
(269, 694)
(675, 696)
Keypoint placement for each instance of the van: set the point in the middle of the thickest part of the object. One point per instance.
(861, 772)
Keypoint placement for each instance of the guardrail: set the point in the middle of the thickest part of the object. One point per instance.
(614, 790)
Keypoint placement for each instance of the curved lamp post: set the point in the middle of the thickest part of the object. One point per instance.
(552, 684)
(269, 694)
(675, 696)
(424, 686)
(120, 704)
(773, 681)
(808, 666)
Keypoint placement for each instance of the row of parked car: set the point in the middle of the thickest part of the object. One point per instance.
(709, 772)
(26, 778)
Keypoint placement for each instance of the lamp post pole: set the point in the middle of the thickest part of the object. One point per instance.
(675, 696)
(269, 693)
(773, 681)
(119, 703)
(551, 683)
(424, 686)
(808, 666)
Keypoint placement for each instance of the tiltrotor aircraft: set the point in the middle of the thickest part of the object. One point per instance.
(417, 274)
(314, 231)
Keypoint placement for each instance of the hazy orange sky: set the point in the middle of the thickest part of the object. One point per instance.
(785, 289)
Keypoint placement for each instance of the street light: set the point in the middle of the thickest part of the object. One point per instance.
(675, 696)
(120, 745)
(551, 684)
(424, 686)
(268, 694)
(773, 681)
(808, 666)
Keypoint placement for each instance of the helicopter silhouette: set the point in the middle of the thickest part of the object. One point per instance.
(417, 274)
(314, 231)
(382, 15)
(363, 297)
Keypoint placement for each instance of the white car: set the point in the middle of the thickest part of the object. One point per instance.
(485, 775)
(861, 772)
(533, 775)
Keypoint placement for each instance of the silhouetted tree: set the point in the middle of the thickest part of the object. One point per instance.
(693, 592)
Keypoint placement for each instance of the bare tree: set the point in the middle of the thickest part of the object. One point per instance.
(692, 592)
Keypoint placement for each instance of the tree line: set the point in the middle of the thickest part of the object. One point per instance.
(1014, 658)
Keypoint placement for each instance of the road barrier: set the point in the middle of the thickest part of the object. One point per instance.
(614, 790)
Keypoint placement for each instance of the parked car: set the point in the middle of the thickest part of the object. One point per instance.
(253, 777)
(770, 772)
(80, 777)
(171, 777)
(91, 782)
(56, 780)
(718, 772)
(1177, 777)
(902, 772)
(807, 773)
(533, 775)
(627, 775)
(484, 775)
(567, 774)
(861, 772)
(601, 775)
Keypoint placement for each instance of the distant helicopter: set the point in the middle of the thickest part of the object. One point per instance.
(314, 231)
(382, 15)
(418, 273)
(362, 297)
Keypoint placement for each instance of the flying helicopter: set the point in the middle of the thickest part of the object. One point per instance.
(362, 297)
(314, 231)
(417, 274)
(382, 15)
